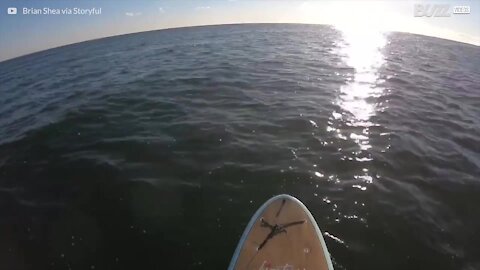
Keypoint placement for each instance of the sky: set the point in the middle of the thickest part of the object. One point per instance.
(22, 34)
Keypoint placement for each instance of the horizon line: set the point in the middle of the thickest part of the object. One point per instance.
(207, 25)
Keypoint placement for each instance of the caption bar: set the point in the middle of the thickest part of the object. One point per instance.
(54, 11)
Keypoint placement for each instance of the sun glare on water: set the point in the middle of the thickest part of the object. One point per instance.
(362, 42)
(362, 52)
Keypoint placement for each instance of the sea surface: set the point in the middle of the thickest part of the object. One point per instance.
(153, 150)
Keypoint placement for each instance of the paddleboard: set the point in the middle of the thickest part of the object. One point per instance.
(282, 235)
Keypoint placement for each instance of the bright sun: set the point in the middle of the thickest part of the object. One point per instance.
(362, 16)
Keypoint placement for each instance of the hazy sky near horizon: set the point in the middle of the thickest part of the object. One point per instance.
(23, 34)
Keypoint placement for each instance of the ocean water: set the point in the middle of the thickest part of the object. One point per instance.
(153, 150)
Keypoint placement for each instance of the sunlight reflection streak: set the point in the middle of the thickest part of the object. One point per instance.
(362, 52)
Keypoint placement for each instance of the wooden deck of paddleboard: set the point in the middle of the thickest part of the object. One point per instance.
(283, 236)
